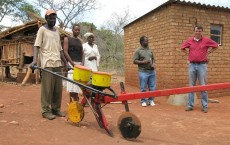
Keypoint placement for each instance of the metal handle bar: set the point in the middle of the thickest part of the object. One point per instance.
(77, 83)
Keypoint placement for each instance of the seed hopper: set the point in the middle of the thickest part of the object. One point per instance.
(95, 86)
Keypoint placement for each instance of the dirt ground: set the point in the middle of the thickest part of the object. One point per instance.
(21, 122)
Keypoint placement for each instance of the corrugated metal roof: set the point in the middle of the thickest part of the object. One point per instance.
(217, 7)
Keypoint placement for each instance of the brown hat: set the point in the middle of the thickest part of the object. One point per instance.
(50, 11)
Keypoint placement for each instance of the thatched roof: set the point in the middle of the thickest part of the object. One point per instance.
(21, 28)
(28, 29)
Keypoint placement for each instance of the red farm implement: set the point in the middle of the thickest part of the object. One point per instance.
(128, 124)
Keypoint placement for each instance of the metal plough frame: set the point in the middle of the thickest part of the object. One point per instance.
(96, 97)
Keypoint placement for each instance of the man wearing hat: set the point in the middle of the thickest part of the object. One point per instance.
(51, 55)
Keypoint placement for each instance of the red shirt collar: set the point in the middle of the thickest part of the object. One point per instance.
(195, 39)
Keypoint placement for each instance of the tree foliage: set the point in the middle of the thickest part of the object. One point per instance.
(113, 39)
(16, 9)
(107, 41)
(109, 37)
(9, 7)
(87, 27)
(118, 21)
(69, 10)
(22, 14)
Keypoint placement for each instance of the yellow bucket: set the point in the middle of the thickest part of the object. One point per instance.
(81, 74)
(101, 79)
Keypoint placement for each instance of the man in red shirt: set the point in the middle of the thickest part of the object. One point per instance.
(198, 47)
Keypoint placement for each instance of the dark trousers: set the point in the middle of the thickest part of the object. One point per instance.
(51, 91)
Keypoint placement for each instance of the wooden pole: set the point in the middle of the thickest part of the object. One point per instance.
(29, 70)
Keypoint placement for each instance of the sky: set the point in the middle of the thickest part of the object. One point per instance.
(137, 8)
(108, 7)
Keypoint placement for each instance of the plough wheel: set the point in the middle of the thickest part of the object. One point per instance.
(101, 120)
(129, 125)
(75, 112)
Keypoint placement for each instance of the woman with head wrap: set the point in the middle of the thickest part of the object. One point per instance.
(91, 53)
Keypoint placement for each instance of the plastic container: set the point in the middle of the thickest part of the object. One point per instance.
(101, 79)
(81, 74)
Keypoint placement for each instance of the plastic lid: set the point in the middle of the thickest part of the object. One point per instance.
(101, 73)
(82, 67)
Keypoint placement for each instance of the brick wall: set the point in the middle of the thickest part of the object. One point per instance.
(166, 29)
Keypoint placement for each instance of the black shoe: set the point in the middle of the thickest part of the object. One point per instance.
(58, 113)
(205, 110)
(49, 116)
(188, 109)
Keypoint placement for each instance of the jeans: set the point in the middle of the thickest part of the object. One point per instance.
(197, 71)
(147, 78)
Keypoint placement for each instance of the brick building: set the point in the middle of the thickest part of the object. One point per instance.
(167, 27)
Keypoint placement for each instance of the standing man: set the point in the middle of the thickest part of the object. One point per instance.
(73, 51)
(144, 58)
(51, 54)
(199, 47)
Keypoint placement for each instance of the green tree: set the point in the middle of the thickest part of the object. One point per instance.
(87, 27)
(9, 7)
(22, 14)
(104, 39)
(106, 44)
(70, 11)
(112, 34)
(17, 9)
